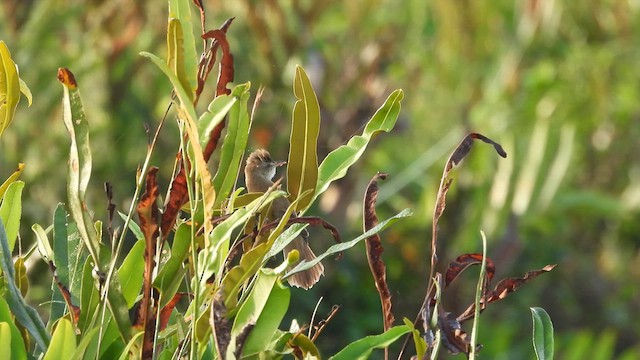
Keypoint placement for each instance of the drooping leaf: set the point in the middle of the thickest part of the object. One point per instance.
(63, 341)
(503, 289)
(25, 314)
(16, 343)
(338, 162)
(463, 262)
(302, 165)
(374, 252)
(338, 248)
(362, 349)
(543, 342)
(79, 170)
(13, 177)
(11, 211)
(9, 87)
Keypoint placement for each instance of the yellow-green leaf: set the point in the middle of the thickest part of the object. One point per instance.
(9, 87)
(18, 350)
(11, 211)
(13, 177)
(175, 59)
(181, 10)
(302, 167)
(21, 279)
(63, 341)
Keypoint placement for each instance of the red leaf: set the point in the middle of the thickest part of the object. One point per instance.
(225, 75)
(502, 289)
(375, 249)
(462, 262)
(178, 196)
(148, 214)
(66, 294)
(165, 313)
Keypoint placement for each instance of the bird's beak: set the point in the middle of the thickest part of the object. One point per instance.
(279, 163)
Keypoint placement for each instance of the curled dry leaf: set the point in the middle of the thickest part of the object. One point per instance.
(375, 249)
(66, 294)
(462, 262)
(502, 289)
(148, 213)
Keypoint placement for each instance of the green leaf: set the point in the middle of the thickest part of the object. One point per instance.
(175, 60)
(362, 349)
(336, 164)
(9, 87)
(181, 10)
(63, 341)
(171, 274)
(131, 272)
(215, 113)
(542, 334)
(25, 314)
(21, 279)
(11, 211)
(304, 265)
(24, 89)
(233, 281)
(213, 257)
(235, 142)
(89, 298)
(133, 226)
(18, 350)
(61, 261)
(266, 305)
(5, 340)
(302, 165)
(79, 169)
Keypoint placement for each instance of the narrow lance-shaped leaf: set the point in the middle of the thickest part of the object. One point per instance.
(79, 171)
(336, 164)
(13, 177)
(11, 211)
(362, 349)
(180, 10)
(176, 56)
(234, 144)
(302, 167)
(374, 253)
(9, 87)
(25, 314)
(149, 215)
(338, 248)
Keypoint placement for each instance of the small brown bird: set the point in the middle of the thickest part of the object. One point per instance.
(259, 171)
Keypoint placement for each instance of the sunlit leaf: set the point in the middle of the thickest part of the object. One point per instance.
(11, 211)
(302, 166)
(215, 113)
(63, 341)
(181, 10)
(79, 169)
(266, 305)
(338, 162)
(175, 60)
(16, 344)
(234, 279)
(234, 144)
(13, 177)
(9, 87)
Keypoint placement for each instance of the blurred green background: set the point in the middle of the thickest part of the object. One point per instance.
(556, 82)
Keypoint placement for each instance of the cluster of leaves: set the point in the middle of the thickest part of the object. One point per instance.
(186, 254)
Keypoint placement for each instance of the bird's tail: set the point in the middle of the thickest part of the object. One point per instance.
(307, 278)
